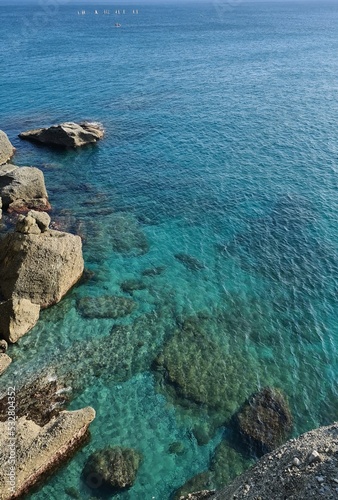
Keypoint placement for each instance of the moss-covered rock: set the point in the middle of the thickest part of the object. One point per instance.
(113, 468)
(265, 421)
(226, 464)
(201, 481)
(195, 368)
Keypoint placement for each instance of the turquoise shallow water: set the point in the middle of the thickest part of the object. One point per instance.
(221, 143)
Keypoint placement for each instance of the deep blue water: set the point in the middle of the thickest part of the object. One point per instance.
(221, 143)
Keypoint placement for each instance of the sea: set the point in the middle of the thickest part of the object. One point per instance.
(211, 206)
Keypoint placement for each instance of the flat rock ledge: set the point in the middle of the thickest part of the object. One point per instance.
(67, 135)
(39, 450)
(301, 469)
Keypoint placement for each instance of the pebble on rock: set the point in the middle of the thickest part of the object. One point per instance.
(314, 457)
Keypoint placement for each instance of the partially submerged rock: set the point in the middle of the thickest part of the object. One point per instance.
(114, 468)
(17, 317)
(105, 306)
(22, 188)
(5, 361)
(6, 148)
(39, 450)
(265, 421)
(40, 267)
(68, 134)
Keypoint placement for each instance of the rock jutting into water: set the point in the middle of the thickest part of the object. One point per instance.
(290, 472)
(37, 267)
(22, 188)
(105, 306)
(112, 468)
(189, 262)
(39, 449)
(5, 361)
(6, 148)
(68, 134)
(264, 422)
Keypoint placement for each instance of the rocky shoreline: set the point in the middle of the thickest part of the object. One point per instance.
(38, 266)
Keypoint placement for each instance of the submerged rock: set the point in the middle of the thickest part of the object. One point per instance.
(68, 134)
(115, 468)
(154, 271)
(126, 235)
(6, 148)
(130, 286)
(39, 400)
(106, 306)
(189, 262)
(195, 368)
(265, 421)
(22, 187)
(40, 450)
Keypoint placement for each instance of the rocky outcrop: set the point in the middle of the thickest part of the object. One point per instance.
(113, 468)
(40, 267)
(22, 188)
(264, 422)
(37, 267)
(303, 468)
(5, 361)
(6, 148)
(17, 317)
(68, 135)
(39, 449)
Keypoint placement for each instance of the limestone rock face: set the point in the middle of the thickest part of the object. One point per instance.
(265, 421)
(115, 468)
(23, 184)
(39, 450)
(17, 317)
(5, 361)
(69, 134)
(40, 267)
(6, 148)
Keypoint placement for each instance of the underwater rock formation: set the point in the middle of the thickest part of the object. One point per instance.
(22, 188)
(195, 368)
(6, 148)
(154, 271)
(39, 449)
(264, 421)
(113, 468)
(68, 135)
(199, 482)
(106, 306)
(126, 235)
(130, 286)
(189, 262)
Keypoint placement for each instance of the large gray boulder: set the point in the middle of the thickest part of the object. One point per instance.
(23, 187)
(39, 267)
(69, 134)
(6, 148)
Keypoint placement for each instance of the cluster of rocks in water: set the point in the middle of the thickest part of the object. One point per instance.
(38, 266)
